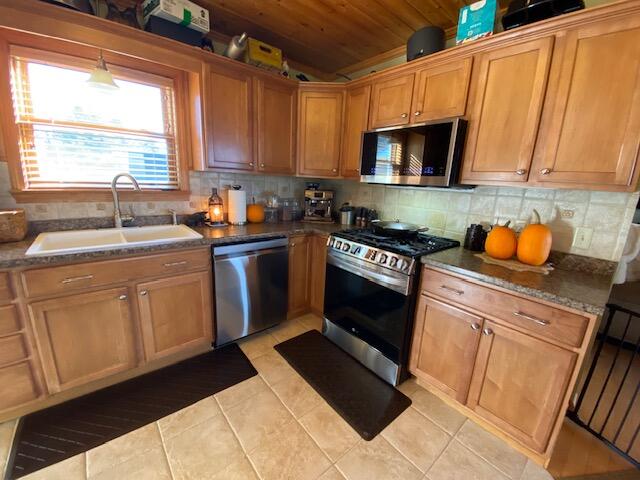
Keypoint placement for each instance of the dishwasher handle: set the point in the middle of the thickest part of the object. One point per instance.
(250, 247)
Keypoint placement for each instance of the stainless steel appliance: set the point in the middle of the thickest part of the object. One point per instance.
(318, 205)
(426, 154)
(251, 287)
(370, 295)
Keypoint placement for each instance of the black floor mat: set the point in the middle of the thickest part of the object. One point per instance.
(366, 402)
(52, 435)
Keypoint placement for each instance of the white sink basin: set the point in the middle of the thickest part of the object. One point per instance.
(76, 241)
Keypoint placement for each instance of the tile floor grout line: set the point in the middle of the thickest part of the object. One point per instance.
(164, 449)
(488, 461)
(436, 423)
(483, 459)
(411, 461)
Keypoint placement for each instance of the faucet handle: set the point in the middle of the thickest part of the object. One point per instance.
(128, 218)
(174, 217)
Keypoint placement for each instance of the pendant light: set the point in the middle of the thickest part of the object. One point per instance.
(101, 77)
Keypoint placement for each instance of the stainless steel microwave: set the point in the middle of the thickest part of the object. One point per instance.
(428, 154)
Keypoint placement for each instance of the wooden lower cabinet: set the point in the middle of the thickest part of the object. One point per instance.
(175, 313)
(317, 272)
(519, 383)
(298, 275)
(23, 385)
(445, 342)
(85, 337)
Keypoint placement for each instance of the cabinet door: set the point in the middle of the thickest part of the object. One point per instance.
(275, 115)
(519, 383)
(84, 337)
(356, 116)
(590, 128)
(229, 113)
(507, 92)
(23, 385)
(391, 101)
(320, 132)
(318, 270)
(176, 313)
(441, 91)
(445, 341)
(298, 276)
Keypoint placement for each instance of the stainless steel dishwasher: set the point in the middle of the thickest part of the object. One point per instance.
(251, 287)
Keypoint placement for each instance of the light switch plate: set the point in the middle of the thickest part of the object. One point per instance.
(566, 213)
(582, 237)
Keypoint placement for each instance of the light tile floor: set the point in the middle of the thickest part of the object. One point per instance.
(275, 426)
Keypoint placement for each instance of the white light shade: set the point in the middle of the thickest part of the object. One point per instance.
(101, 77)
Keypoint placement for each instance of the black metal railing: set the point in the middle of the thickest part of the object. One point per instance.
(608, 404)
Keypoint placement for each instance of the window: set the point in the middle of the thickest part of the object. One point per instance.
(74, 136)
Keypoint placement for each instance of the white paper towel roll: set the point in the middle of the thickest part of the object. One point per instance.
(237, 207)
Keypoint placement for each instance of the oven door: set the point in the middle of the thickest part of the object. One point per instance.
(374, 305)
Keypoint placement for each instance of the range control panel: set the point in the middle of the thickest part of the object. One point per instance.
(399, 263)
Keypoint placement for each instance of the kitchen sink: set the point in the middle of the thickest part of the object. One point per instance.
(76, 241)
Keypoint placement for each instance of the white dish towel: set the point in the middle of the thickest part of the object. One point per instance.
(629, 266)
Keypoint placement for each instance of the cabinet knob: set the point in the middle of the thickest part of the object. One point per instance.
(262, 165)
(334, 170)
(122, 297)
(404, 115)
(487, 331)
(521, 171)
(251, 164)
(292, 244)
(545, 171)
(143, 292)
(418, 113)
(475, 326)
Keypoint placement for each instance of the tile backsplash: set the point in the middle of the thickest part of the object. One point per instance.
(595, 224)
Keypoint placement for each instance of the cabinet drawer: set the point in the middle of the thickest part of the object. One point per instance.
(23, 385)
(9, 320)
(12, 349)
(535, 317)
(68, 278)
(6, 295)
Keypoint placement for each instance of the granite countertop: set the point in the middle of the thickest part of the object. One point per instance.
(13, 254)
(583, 285)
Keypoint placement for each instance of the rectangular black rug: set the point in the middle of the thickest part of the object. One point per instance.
(360, 397)
(60, 432)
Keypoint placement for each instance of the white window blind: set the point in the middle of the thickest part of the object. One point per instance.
(74, 136)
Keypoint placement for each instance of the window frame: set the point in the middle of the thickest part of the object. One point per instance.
(60, 52)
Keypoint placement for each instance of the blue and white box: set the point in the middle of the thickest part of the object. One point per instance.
(476, 21)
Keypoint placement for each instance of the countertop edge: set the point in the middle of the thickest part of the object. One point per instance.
(531, 292)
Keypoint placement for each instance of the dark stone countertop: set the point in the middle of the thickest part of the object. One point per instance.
(13, 254)
(568, 284)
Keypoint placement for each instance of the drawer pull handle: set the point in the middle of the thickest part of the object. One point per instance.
(452, 290)
(175, 264)
(475, 326)
(143, 292)
(521, 171)
(122, 297)
(545, 171)
(487, 332)
(76, 279)
(539, 321)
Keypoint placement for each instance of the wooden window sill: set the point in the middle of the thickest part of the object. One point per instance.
(98, 195)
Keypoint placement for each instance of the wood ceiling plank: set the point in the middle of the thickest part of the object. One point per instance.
(384, 17)
(414, 17)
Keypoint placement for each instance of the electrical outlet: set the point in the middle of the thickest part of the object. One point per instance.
(582, 237)
(566, 213)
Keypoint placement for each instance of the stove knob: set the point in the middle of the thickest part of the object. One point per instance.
(402, 264)
(338, 244)
(356, 250)
(383, 258)
(346, 247)
(393, 261)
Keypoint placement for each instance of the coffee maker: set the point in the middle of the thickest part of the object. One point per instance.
(318, 205)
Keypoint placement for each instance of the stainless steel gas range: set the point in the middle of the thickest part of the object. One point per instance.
(370, 295)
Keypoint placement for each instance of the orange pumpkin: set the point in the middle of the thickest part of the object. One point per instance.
(501, 242)
(534, 243)
(255, 213)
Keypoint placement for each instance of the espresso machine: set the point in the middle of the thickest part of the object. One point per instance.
(318, 205)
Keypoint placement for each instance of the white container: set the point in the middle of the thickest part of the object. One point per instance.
(237, 207)
(182, 12)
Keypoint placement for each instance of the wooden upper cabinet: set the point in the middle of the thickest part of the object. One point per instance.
(85, 337)
(505, 104)
(391, 101)
(275, 120)
(320, 131)
(441, 91)
(356, 116)
(445, 341)
(175, 313)
(590, 128)
(298, 275)
(519, 383)
(229, 119)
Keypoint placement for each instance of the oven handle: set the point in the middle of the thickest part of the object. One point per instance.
(400, 285)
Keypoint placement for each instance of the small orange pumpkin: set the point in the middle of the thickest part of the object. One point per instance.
(534, 243)
(255, 213)
(501, 242)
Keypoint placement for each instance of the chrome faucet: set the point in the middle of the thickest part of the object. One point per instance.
(118, 218)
